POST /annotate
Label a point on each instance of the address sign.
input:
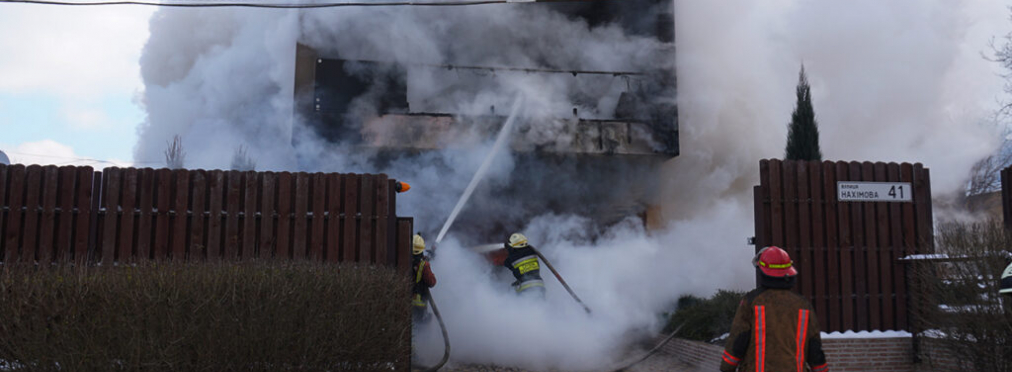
(874, 191)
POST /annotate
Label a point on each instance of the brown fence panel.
(249, 215)
(232, 199)
(1006, 196)
(47, 223)
(145, 212)
(85, 211)
(790, 209)
(29, 240)
(267, 215)
(897, 252)
(215, 203)
(64, 243)
(180, 207)
(405, 226)
(198, 221)
(284, 216)
(50, 214)
(163, 199)
(4, 210)
(804, 203)
(367, 204)
(15, 203)
(819, 265)
(351, 216)
(301, 209)
(832, 254)
(870, 256)
(111, 181)
(126, 226)
(318, 185)
(846, 252)
(884, 264)
(776, 204)
(382, 216)
(335, 221)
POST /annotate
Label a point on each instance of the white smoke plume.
(890, 83)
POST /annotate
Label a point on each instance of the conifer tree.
(803, 131)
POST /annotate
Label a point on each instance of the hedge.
(205, 317)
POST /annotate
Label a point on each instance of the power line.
(290, 5)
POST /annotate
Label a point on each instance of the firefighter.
(424, 279)
(519, 257)
(774, 328)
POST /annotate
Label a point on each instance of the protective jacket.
(524, 265)
(774, 330)
(424, 279)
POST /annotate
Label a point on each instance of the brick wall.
(843, 354)
(694, 353)
(869, 354)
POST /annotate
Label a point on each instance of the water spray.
(506, 129)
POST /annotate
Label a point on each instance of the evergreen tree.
(803, 131)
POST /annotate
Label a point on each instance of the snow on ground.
(866, 334)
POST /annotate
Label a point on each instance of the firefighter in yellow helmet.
(424, 279)
(519, 257)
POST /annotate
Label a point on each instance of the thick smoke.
(887, 85)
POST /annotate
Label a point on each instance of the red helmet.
(774, 262)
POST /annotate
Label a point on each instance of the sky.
(68, 81)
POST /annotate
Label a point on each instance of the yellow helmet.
(418, 245)
(517, 240)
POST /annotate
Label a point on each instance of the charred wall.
(612, 153)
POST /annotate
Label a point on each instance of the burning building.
(590, 140)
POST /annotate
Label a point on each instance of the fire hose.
(446, 340)
(557, 276)
(649, 353)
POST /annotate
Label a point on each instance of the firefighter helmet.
(1006, 281)
(517, 240)
(418, 244)
(775, 262)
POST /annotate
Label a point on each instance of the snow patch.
(866, 334)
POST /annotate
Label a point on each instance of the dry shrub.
(956, 301)
(205, 317)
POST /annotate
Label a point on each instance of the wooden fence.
(846, 252)
(1006, 197)
(74, 214)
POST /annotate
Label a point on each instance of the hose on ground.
(649, 353)
(446, 339)
(557, 276)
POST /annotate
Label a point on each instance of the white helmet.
(517, 240)
(418, 244)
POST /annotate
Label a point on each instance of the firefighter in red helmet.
(774, 328)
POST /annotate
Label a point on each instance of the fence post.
(1006, 196)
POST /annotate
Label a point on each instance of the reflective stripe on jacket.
(533, 283)
(424, 279)
(523, 263)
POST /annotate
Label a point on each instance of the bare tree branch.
(174, 154)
